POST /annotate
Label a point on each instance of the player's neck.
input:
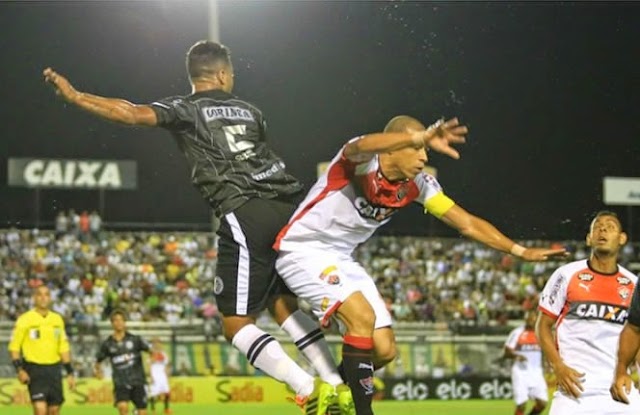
(119, 335)
(604, 263)
(204, 85)
(42, 311)
(389, 170)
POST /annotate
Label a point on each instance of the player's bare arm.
(569, 379)
(112, 109)
(23, 376)
(628, 346)
(71, 379)
(97, 370)
(438, 136)
(482, 231)
(509, 353)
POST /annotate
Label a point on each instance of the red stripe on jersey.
(338, 176)
(547, 312)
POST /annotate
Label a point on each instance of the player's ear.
(588, 239)
(623, 238)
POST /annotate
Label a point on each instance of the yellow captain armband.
(438, 205)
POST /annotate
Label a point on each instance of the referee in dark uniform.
(223, 139)
(124, 351)
(39, 349)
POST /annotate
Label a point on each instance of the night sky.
(550, 92)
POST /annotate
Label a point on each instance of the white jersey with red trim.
(350, 201)
(158, 365)
(523, 342)
(590, 309)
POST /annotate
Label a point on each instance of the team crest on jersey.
(585, 276)
(624, 292)
(328, 275)
(218, 285)
(623, 280)
(325, 304)
(128, 344)
(402, 192)
(332, 279)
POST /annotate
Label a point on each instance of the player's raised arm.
(112, 109)
(482, 231)
(438, 136)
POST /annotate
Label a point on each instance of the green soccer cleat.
(345, 400)
(324, 395)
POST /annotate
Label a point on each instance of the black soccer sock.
(537, 409)
(358, 370)
(167, 398)
(152, 403)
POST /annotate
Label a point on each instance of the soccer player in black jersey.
(223, 139)
(124, 351)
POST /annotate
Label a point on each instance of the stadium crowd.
(170, 276)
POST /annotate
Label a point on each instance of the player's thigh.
(365, 284)
(121, 396)
(246, 260)
(520, 388)
(318, 278)
(600, 404)
(139, 396)
(538, 388)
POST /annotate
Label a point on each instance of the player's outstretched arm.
(509, 353)
(628, 346)
(482, 231)
(569, 379)
(112, 109)
(438, 136)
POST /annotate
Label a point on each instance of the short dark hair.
(602, 213)
(206, 57)
(117, 312)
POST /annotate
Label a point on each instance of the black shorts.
(45, 383)
(134, 393)
(246, 276)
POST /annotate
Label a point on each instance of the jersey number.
(231, 132)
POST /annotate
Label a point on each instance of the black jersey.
(223, 139)
(126, 359)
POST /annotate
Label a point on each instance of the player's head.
(530, 317)
(41, 297)
(605, 235)
(118, 320)
(409, 161)
(210, 62)
(156, 343)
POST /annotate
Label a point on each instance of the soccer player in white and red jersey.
(369, 179)
(527, 376)
(587, 301)
(159, 372)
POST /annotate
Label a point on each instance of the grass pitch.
(476, 407)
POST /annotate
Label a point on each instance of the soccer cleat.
(345, 400)
(319, 401)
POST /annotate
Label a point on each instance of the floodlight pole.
(214, 24)
(214, 35)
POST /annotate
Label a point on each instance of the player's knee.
(357, 315)
(233, 324)
(385, 352)
(282, 306)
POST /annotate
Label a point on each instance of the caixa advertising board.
(72, 174)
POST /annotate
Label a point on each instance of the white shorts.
(159, 385)
(595, 404)
(325, 280)
(528, 385)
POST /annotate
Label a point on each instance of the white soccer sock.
(309, 339)
(265, 353)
